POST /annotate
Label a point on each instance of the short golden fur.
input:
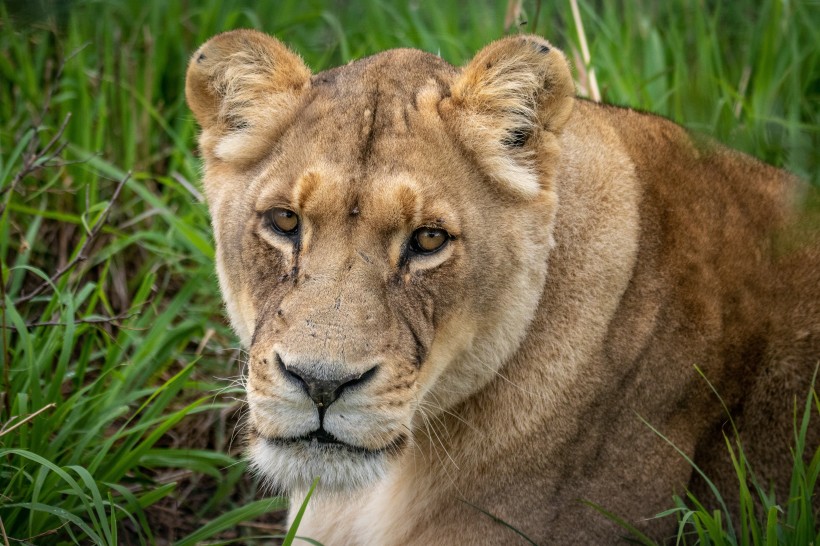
(593, 257)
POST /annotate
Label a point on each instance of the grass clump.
(764, 519)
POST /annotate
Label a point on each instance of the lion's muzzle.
(323, 417)
(323, 386)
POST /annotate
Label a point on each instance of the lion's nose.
(325, 390)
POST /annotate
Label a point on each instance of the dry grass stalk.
(594, 91)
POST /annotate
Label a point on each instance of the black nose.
(326, 390)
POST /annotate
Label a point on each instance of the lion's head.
(382, 235)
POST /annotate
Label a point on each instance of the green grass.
(116, 362)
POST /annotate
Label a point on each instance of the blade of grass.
(294, 527)
(230, 519)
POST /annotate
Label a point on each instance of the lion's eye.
(283, 221)
(428, 240)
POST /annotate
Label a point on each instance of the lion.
(469, 296)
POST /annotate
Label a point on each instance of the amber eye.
(428, 240)
(283, 221)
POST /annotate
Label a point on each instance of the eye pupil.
(428, 240)
(283, 220)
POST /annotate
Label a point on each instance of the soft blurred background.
(120, 392)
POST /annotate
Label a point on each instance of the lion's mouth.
(321, 439)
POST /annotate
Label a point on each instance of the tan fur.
(596, 256)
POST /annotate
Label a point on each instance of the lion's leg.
(767, 415)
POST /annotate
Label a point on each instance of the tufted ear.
(510, 104)
(243, 86)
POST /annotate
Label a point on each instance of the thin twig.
(188, 186)
(81, 255)
(269, 527)
(66, 163)
(6, 353)
(162, 479)
(29, 417)
(89, 320)
(5, 536)
(33, 158)
(57, 135)
(43, 534)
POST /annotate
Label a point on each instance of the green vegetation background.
(121, 383)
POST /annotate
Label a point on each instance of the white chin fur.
(293, 467)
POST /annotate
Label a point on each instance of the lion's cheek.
(452, 341)
(238, 303)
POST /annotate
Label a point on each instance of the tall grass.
(113, 407)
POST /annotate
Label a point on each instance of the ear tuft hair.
(513, 99)
(243, 86)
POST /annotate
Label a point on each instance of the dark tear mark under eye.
(297, 251)
(420, 349)
(404, 259)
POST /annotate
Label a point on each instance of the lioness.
(464, 290)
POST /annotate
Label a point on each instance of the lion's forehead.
(377, 111)
(396, 74)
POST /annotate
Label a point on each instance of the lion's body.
(596, 256)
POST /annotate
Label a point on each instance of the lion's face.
(379, 259)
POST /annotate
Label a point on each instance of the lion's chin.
(292, 465)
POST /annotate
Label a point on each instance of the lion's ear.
(243, 86)
(511, 102)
